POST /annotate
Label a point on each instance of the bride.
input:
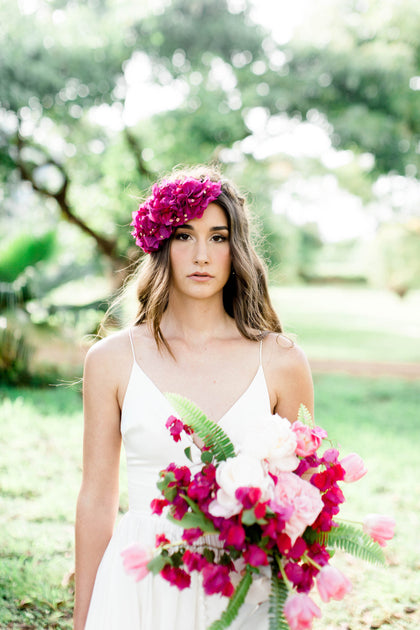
(206, 329)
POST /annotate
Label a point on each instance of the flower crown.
(171, 204)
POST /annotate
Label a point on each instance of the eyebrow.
(216, 228)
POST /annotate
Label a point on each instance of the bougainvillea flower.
(332, 584)
(176, 576)
(157, 505)
(379, 527)
(354, 467)
(255, 556)
(171, 203)
(175, 427)
(191, 535)
(300, 611)
(135, 559)
(194, 561)
(216, 580)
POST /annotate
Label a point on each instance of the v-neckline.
(162, 395)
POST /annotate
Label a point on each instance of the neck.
(196, 321)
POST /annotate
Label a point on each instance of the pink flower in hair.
(170, 204)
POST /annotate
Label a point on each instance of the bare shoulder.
(288, 375)
(109, 360)
(283, 353)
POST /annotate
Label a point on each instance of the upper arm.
(102, 437)
(291, 381)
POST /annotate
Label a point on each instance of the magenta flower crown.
(171, 203)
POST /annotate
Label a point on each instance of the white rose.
(242, 471)
(275, 443)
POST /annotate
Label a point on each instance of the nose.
(201, 255)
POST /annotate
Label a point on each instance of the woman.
(206, 330)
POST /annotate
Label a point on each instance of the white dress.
(118, 601)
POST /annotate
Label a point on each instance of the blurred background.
(313, 109)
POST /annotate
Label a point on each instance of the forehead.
(213, 215)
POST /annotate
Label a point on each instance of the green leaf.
(187, 452)
(163, 483)
(157, 563)
(278, 596)
(248, 517)
(214, 438)
(304, 415)
(354, 541)
(206, 457)
(190, 520)
(209, 554)
(234, 604)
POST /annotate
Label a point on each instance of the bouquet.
(263, 518)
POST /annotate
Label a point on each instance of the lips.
(198, 275)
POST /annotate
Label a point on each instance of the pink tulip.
(379, 527)
(300, 610)
(135, 559)
(354, 467)
(332, 584)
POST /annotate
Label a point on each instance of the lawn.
(40, 454)
(362, 324)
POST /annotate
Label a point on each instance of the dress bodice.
(148, 444)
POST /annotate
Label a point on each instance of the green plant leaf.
(214, 438)
(234, 604)
(278, 596)
(187, 452)
(191, 520)
(156, 564)
(305, 416)
(354, 541)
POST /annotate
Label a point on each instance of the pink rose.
(308, 438)
(332, 584)
(135, 559)
(299, 611)
(379, 527)
(354, 467)
(305, 500)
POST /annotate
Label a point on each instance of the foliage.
(210, 432)
(24, 251)
(278, 596)
(354, 541)
(14, 357)
(235, 602)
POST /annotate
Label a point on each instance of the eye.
(219, 238)
(182, 236)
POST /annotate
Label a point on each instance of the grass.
(40, 451)
(363, 324)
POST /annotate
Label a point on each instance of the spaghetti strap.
(132, 344)
(261, 344)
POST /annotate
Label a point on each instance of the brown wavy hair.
(245, 295)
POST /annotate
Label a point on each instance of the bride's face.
(200, 255)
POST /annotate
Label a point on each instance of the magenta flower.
(354, 467)
(379, 527)
(299, 611)
(157, 505)
(175, 427)
(308, 438)
(332, 584)
(194, 561)
(172, 203)
(176, 576)
(135, 559)
(191, 535)
(216, 580)
(255, 556)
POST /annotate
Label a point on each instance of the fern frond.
(278, 596)
(208, 431)
(305, 416)
(234, 604)
(354, 541)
